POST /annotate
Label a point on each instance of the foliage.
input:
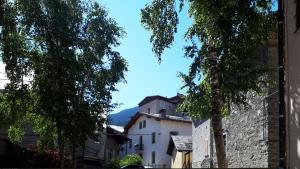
(62, 68)
(19, 157)
(131, 159)
(237, 29)
(113, 164)
(225, 37)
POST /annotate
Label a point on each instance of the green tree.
(225, 37)
(66, 47)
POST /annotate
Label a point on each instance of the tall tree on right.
(225, 37)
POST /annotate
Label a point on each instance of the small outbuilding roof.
(181, 143)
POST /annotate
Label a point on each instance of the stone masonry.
(251, 133)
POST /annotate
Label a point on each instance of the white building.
(202, 143)
(150, 131)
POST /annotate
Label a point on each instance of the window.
(148, 110)
(153, 137)
(110, 154)
(225, 140)
(153, 157)
(130, 143)
(206, 147)
(140, 125)
(144, 124)
(141, 140)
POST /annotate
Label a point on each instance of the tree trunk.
(74, 155)
(216, 108)
(60, 147)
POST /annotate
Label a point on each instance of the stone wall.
(252, 132)
(246, 135)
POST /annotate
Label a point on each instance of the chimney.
(162, 113)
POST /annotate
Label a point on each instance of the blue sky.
(146, 76)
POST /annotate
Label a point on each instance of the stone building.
(250, 134)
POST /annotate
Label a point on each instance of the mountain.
(121, 118)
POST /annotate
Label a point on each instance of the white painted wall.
(183, 129)
(156, 105)
(201, 141)
(162, 129)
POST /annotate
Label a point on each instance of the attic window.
(297, 14)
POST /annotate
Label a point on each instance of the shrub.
(113, 164)
(131, 159)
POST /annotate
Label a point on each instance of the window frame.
(153, 156)
(141, 140)
(153, 138)
(130, 144)
(225, 139)
(144, 124)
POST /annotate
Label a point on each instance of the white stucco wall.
(183, 129)
(162, 129)
(134, 133)
(4, 80)
(156, 105)
(201, 141)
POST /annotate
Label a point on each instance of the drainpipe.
(282, 133)
(211, 146)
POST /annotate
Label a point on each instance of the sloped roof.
(111, 131)
(155, 116)
(117, 128)
(151, 98)
(181, 143)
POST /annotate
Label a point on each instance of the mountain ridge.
(121, 118)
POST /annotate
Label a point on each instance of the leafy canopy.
(237, 29)
(66, 50)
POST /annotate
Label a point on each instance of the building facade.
(292, 78)
(149, 132)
